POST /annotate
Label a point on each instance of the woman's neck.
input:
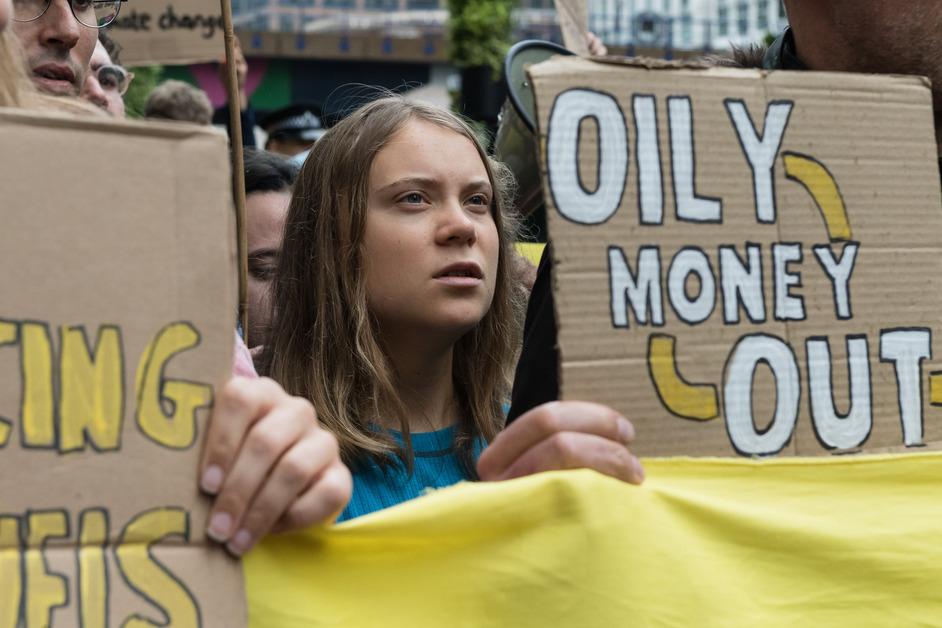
(425, 384)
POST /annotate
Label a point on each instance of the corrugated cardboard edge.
(612, 64)
(149, 128)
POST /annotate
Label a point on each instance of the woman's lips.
(461, 274)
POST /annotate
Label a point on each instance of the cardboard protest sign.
(117, 320)
(574, 23)
(169, 31)
(746, 262)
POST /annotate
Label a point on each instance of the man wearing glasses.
(106, 81)
(59, 37)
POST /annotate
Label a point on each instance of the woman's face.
(431, 247)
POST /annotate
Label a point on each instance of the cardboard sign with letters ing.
(169, 32)
(116, 325)
(746, 263)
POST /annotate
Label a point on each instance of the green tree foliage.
(479, 32)
(145, 80)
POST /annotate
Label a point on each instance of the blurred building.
(685, 24)
(315, 50)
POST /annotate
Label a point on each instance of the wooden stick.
(238, 169)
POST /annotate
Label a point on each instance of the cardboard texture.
(574, 23)
(667, 191)
(169, 32)
(117, 322)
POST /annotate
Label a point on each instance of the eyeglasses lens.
(113, 78)
(105, 11)
(28, 10)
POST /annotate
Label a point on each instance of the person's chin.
(55, 87)
(459, 321)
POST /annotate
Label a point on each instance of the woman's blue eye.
(479, 199)
(414, 197)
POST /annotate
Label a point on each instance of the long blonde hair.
(14, 84)
(324, 344)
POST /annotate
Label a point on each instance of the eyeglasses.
(90, 13)
(114, 78)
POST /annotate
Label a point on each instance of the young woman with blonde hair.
(395, 314)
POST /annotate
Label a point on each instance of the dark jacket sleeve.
(536, 379)
(221, 116)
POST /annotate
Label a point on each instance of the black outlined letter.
(761, 151)
(690, 206)
(906, 349)
(834, 430)
(640, 292)
(742, 283)
(737, 394)
(572, 200)
(839, 272)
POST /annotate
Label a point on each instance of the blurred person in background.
(268, 182)
(176, 100)
(246, 111)
(107, 81)
(870, 36)
(293, 130)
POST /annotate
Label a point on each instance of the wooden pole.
(238, 169)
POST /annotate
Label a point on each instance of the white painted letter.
(690, 207)
(742, 284)
(641, 293)
(839, 272)
(834, 430)
(761, 151)
(650, 182)
(562, 149)
(737, 394)
(787, 307)
(687, 261)
(907, 348)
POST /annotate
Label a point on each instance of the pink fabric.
(242, 363)
(207, 77)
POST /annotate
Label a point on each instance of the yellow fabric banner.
(843, 541)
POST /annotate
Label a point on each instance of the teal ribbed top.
(436, 466)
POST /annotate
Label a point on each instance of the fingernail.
(219, 526)
(240, 543)
(626, 431)
(212, 479)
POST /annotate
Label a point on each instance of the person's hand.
(242, 72)
(595, 45)
(563, 435)
(270, 465)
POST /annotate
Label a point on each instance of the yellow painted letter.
(8, 336)
(176, 428)
(91, 402)
(146, 575)
(44, 591)
(38, 413)
(11, 582)
(93, 577)
(689, 401)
